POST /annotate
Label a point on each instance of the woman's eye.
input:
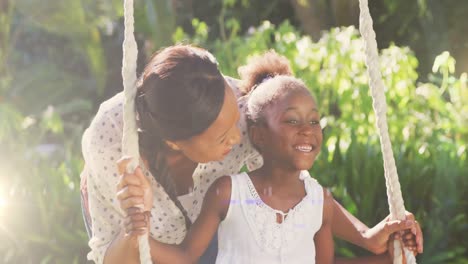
(292, 121)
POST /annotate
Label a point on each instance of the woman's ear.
(172, 145)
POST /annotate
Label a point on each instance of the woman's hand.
(136, 222)
(136, 198)
(408, 230)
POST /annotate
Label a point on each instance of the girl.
(277, 213)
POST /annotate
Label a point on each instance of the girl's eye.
(314, 122)
(292, 121)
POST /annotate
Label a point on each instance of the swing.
(130, 136)
(395, 199)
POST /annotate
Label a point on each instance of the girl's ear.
(256, 135)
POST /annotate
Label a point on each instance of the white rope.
(395, 199)
(130, 135)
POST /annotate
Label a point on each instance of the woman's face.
(218, 139)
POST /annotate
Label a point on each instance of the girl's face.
(218, 139)
(292, 135)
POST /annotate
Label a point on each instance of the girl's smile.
(306, 148)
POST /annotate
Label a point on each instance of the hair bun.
(261, 68)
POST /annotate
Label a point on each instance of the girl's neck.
(278, 176)
(278, 187)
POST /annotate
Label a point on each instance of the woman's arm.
(214, 209)
(133, 192)
(124, 249)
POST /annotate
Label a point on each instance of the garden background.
(60, 59)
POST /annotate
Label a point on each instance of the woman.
(192, 131)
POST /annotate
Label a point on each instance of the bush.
(40, 216)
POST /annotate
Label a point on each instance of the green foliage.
(39, 190)
(71, 60)
(40, 161)
(427, 125)
(156, 20)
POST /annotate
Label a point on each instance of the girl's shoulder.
(221, 187)
(218, 196)
(328, 203)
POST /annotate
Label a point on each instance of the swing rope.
(395, 199)
(130, 135)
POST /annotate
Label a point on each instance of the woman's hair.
(265, 78)
(180, 94)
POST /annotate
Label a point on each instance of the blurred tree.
(318, 15)
(428, 26)
(311, 15)
(6, 15)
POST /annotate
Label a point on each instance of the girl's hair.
(263, 67)
(265, 78)
(180, 94)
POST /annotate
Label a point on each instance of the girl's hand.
(377, 238)
(133, 191)
(413, 238)
(391, 250)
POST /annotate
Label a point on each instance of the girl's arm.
(378, 259)
(386, 258)
(349, 228)
(214, 209)
(323, 239)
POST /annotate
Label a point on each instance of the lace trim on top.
(271, 236)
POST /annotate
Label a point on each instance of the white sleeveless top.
(250, 232)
